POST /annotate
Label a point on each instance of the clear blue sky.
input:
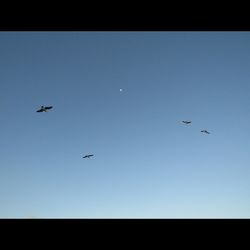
(146, 163)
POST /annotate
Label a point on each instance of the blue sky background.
(146, 163)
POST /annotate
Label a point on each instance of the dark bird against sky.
(87, 156)
(186, 122)
(205, 131)
(44, 109)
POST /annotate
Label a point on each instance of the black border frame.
(139, 22)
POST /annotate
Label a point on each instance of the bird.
(186, 122)
(205, 131)
(87, 156)
(44, 109)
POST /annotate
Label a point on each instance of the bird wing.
(205, 131)
(50, 107)
(40, 110)
(87, 156)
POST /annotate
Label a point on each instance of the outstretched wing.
(205, 131)
(50, 107)
(87, 156)
(39, 110)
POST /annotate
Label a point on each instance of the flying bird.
(205, 131)
(87, 156)
(44, 109)
(186, 122)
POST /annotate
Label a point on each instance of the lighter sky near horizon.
(121, 96)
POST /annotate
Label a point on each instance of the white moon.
(121, 90)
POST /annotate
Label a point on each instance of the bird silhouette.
(44, 109)
(205, 131)
(186, 122)
(87, 156)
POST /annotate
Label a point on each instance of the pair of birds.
(45, 109)
(203, 131)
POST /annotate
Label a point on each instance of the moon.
(121, 90)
